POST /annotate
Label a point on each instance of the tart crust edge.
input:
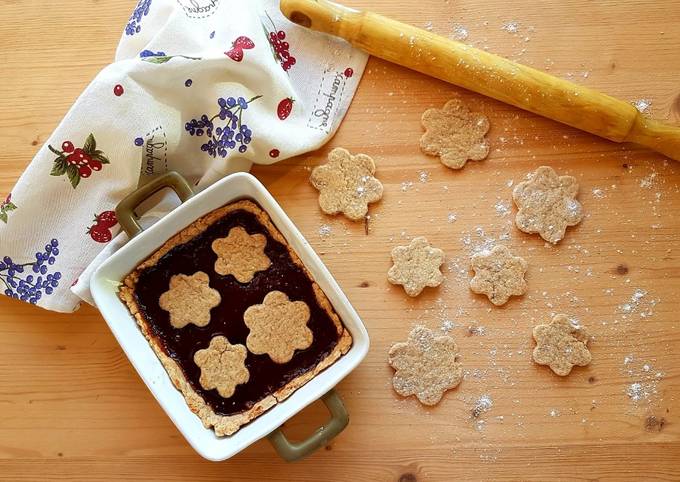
(229, 424)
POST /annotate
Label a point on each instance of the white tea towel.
(203, 87)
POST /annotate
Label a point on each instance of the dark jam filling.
(227, 318)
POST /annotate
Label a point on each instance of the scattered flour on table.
(598, 193)
(511, 26)
(460, 33)
(643, 106)
(502, 208)
(638, 303)
(645, 378)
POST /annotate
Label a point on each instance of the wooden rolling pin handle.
(487, 74)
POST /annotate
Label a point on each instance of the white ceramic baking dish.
(107, 279)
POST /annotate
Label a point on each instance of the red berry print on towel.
(349, 72)
(280, 48)
(274, 153)
(100, 231)
(5, 207)
(84, 171)
(240, 44)
(284, 108)
(78, 162)
(118, 90)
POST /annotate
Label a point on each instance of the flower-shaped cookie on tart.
(416, 266)
(278, 327)
(241, 254)
(547, 204)
(498, 275)
(189, 299)
(346, 184)
(561, 344)
(455, 134)
(426, 365)
(222, 366)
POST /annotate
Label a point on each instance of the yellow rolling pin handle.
(487, 74)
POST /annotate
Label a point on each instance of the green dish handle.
(291, 451)
(125, 211)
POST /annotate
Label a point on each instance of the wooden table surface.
(72, 407)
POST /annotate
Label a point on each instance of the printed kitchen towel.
(203, 87)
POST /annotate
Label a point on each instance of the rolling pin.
(486, 74)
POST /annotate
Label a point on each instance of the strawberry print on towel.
(238, 46)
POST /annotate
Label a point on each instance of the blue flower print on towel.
(135, 23)
(231, 133)
(150, 53)
(29, 281)
(161, 57)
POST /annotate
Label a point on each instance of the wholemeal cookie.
(241, 254)
(278, 327)
(498, 275)
(455, 134)
(561, 344)
(416, 266)
(189, 299)
(222, 366)
(346, 184)
(547, 204)
(426, 365)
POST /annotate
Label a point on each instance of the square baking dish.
(108, 278)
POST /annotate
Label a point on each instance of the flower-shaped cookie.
(346, 184)
(546, 204)
(416, 266)
(498, 275)
(561, 344)
(278, 327)
(455, 134)
(426, 366)
(189, 299)
(222, 366)
(241, 254)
